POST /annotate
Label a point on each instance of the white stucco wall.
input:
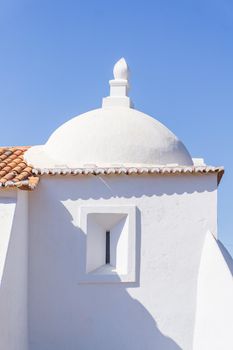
(7, 211)
(13, 267)
(214, 316)
(158, 310)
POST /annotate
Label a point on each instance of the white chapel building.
(108, 238)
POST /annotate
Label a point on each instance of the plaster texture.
(158, 310)
(214, 317)
(13, 270)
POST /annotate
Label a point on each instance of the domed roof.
(113, 135)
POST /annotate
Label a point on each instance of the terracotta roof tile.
(14, 172)
(138, 170)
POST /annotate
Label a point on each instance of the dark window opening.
(107, 255)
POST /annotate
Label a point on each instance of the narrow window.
(107, 255)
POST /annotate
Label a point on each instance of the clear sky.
(56, 58)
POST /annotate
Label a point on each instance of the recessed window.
(110, 243)
(107, 252)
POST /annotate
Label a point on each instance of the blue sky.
(56, 58)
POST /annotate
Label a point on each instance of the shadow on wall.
(64, 314)
(13, 285)
(97, 187)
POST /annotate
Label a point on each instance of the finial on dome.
(119, 86)
(121, 70)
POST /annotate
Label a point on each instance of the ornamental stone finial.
(121, 70)
(119, 86)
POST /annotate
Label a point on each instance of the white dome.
(113, 136)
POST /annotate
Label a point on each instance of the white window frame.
(107, 276)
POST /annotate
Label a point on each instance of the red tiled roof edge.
(14, 172)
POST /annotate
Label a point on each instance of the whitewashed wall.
(13, 270)
(214, 316)
(174, 214)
